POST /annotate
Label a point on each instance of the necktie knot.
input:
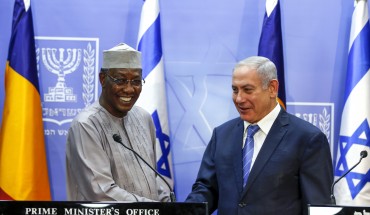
(252, 130)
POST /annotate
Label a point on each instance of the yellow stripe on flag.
(23, 163)
(281, 103)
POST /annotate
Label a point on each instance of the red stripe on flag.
(4, 196)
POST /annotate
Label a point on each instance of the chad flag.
(271, 44)
(23, 167)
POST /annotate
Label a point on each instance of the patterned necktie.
(248, 151)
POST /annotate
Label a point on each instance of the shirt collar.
(266, 122)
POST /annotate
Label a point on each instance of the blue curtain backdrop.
(201, 41)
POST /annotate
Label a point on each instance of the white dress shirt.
(265, 125)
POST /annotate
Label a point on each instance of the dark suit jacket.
(292, 169)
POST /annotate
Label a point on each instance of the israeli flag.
(354, 137)
(153, 95)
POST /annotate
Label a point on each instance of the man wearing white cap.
(98, 167)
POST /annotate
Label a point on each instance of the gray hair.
(265, 68)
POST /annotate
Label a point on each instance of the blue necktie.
(248, 151)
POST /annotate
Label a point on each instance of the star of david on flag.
(153, 95)
(354, 189)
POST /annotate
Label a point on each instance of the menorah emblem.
(61, 67)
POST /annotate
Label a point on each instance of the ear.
(102, 78)
(274, 88)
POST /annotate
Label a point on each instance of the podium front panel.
(101, 208)
(338, 210)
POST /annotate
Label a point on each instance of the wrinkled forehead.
(243, 71)
(124, 71)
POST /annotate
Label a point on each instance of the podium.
(101, 208)
(337, 210)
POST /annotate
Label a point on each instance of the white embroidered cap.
(121, 56)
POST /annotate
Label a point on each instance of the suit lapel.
(273, 139)
(237, 141)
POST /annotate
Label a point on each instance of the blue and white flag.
(153, 96)
(354, 137)
(271, 43)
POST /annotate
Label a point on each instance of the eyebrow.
(244, 86)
